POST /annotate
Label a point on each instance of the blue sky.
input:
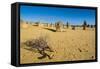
(53, 14)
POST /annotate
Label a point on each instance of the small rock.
(92, 57)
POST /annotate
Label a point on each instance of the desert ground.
(70, 45)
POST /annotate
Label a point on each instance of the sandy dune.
(68, 46)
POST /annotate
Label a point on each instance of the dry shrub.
(41, 45)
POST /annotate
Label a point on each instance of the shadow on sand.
(50, 29)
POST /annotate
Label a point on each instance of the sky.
(74, 16)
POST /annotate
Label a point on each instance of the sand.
(71, 45)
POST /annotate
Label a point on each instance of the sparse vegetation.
(60, 46)
(41, 45)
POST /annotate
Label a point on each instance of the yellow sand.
(68, 46)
